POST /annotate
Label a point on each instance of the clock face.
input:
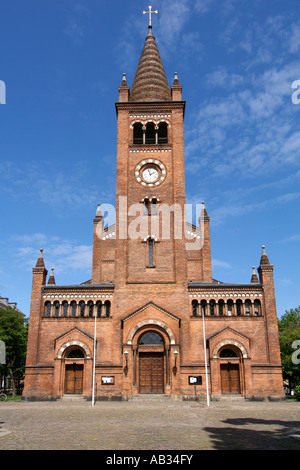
(150, 174)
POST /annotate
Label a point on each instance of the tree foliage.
(289, 336)
(13, 332)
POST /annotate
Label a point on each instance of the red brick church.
(152, 320)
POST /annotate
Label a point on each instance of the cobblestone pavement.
(149, 425)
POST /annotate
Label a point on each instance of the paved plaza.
(149, 425)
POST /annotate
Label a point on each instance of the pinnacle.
(51, 280)
(40, 262)
(254, 278)
(264, 258)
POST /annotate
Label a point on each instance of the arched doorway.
(230, 370)
(151, 353)
(74, 369)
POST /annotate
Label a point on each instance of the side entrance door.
(151, 372)
(230, 379)
(74, 379)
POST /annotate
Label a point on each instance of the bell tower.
(150, 206)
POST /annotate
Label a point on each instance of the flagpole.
(94, 360)
(205, 358)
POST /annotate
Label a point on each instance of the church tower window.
(150, 252)
(163, 133)
(150, 134)
(138, 133)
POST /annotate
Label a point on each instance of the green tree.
(13, 331)
(289, 336)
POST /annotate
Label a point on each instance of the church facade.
(152, 320)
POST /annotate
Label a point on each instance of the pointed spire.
(254, 278)
(176, 80)
(124, 81)
(98, 212)
(203, 215)
(264, 258)
(40, 262)
(51, 280)
(150, 82)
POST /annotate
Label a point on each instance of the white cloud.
(294, 44)
(62, 254)
(216, 263)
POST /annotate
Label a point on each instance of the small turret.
(254, 278)
(51, 280)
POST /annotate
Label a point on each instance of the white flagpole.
(94, 360)
(205, 358)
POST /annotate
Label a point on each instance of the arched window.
(153, 206)
(227, 352)
(65, 308)
(221, 307)
(138, 133)
(230, 307)
(163, 133)
(91, 308)
(150, 133)
(150, 252)
(239, 307)
(107, 308)
(151, 338)
(257, 307)
(194, 307)
(99, 308)
(56, 308)
(212, 305)
(75, 354)
(203, 307)
(47, 308)
(73, 308)
(247, 307)
(82, 308)
(146, 203)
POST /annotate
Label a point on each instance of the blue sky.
(62, 63)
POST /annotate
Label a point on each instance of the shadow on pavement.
(257, 435)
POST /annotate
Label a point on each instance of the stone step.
(149, 396)
(228, 398)
(70, 397)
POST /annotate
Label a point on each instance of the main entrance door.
(74, 379)
(151, 372)
(230, 379)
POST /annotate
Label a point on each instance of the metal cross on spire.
(150, 12)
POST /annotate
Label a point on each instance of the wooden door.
(151, 372)
(230, 378)
(74, 379)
